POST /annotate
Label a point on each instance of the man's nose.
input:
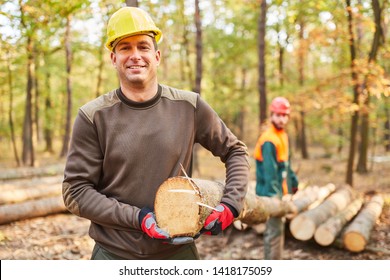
(135, 54)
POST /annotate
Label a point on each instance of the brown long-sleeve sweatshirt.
(121, 151)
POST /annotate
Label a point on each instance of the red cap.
(280, 105)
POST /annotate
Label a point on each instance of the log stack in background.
(19, 203)
(303, 226)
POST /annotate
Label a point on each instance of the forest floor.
(65, 236)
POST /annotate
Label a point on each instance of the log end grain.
(177, 211)
(323, 236)
(302, 228)
(354, 242)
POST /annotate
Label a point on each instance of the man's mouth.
(135, 67)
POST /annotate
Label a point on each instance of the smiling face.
(136, 60)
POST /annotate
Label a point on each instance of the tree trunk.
(357, 234)
(365, 123)
(185, 54)
(29, 193)
(198, 75)
(48, 124)
(340, 134)
(100, 68)
(303, 226)
(305, 154)
(355, 115)
(240, 119)
(199, 49)
(327, 232)
(301, 70)
(281, 63)
(31, 209)
(36, 95)
(298, 139)
(68, 52)
(10, 111)
(28, 147)
(387, 129)
(261, 55)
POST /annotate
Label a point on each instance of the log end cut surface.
(302, 228)
(354, 242)
(323, 236)
(176, 208)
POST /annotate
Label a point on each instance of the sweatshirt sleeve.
(81, 179)
(213, 134)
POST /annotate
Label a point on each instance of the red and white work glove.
(219, 219)
(148, 223)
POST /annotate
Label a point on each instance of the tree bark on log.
(311, 196)
(31, 193)
(327, 232)
(28, 172)
(303, 226)
(275, 207)
(31, 209)
(357, 234)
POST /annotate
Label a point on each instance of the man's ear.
(113, 59)
(158, 57)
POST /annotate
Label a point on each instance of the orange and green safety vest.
(274, 176)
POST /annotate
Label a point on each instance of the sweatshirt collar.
(140, 105)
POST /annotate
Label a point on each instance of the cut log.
(31, 209)
(310, 197)
(257, 209)
(31, 193)
(28, 172)
(357, 234)
(304, 225)
(327, 232)
(180, 204)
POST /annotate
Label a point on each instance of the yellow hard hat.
(129, 21)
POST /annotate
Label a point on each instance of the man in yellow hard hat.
(126, 143)
(274, 176)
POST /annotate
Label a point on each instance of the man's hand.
(148, 224)
(218, 220)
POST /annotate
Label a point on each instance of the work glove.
(218, 220)
(294, 190)
(148, 223)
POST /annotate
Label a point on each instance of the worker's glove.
(294, 190)
(218, 220)
(148, 224)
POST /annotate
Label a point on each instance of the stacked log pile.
(25, 202)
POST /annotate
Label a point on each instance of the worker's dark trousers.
(274, 239)
(188, 252)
